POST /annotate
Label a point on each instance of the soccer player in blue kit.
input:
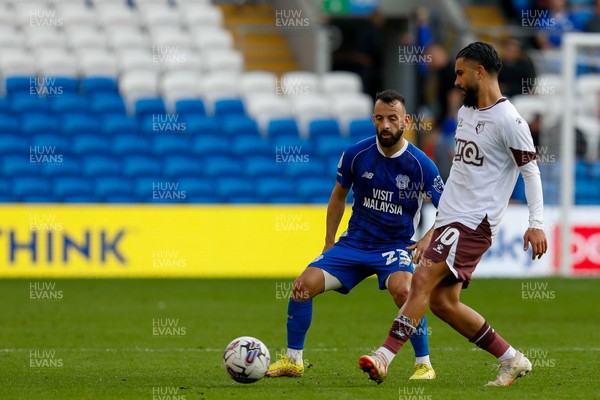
(390, 179)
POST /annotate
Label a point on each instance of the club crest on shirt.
(460, 121)
(402, 181)
(438, 184)
(479, 127)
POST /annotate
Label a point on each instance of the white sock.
(508, 354)
(423, 360)
(295, 355)
(388, 354)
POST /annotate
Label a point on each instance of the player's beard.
(392, 140)
(471, 97)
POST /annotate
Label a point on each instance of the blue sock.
(419, 340)
(298, 322)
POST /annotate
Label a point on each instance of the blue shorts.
(352, 265)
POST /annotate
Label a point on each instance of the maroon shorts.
(461, 247)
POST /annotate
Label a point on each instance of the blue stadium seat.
(12, 144)
(86, 144)
(26, 103)
(68, 167)
(69, 103)
(581, 169)
(518, 193)
(5, 188)
(270, 187)
(34, 123)
(30, 186)
(360, 129)
(15, 166)
(148, 107)
(80, 199)
(251, 145)
(100, 166)
(170, 144)
(237, 126)
(45, 198)
(20, 85)
(198, 189)
(107, 103)
(213, 145)
(323, 128)
(234, 189)
(79, 124)
(107, 187)
(595, 170)
(229, 107)
(194, 107)
(99, 84)
(331, 146)
(121, 199)
(292, 149)
(164, 124)
(315, 190)
(205, 126)
(314, 168)
(128, 144)
(4, 106)
(119, 125)
(180, 166)
(282, 127)
(143, 187)
(69, 187)
(261, 167)
(55, 143)
(141, 166)
(9, 125)
(221, 166)
(59, 86)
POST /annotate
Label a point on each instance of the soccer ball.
(246, 359)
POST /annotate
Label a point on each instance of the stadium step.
(256, 36)
(482, 18)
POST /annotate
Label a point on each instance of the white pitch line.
(214, 350)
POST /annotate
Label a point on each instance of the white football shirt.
(490, 145)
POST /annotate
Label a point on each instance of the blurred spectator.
(440, 81)
(517, 75)
(593, 25)
(444, 149)
(361, 50)
(547, 140)
(554, 24)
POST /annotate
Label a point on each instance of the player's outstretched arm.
(533, 193)
(420, 246)
(335, 212)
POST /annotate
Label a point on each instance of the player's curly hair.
(483, 53)
(390, 96)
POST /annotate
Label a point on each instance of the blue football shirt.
(388, 192)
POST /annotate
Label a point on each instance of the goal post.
(571, 43)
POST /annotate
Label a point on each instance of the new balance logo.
(368, 175)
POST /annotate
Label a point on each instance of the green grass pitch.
(164, 339)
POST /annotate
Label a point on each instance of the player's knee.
(440, 307)
(420, 283)
(400, 294)
(304, 289)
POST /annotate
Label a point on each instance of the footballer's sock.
(295, 355)
(298, 322)
(419, 340)
(399, 333)
(490, 341)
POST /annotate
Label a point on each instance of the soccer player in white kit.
(493, 144)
